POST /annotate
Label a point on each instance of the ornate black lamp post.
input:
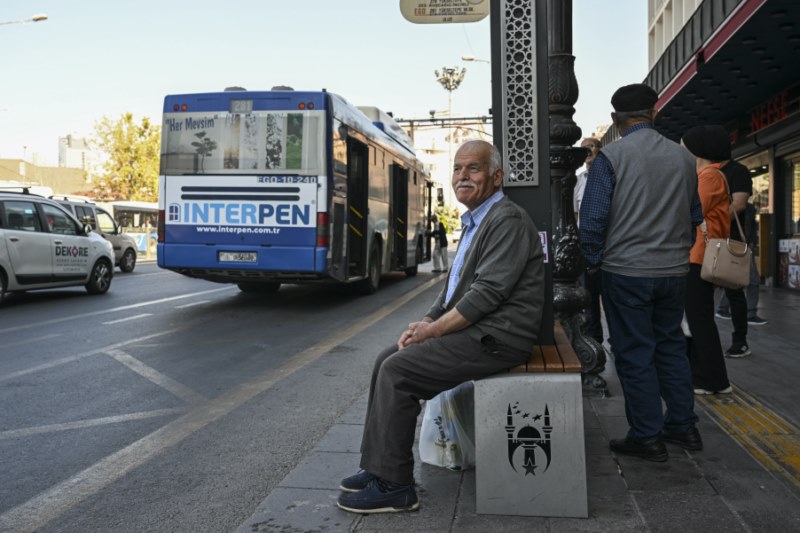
(569, 298)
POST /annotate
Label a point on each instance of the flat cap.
(634, 97)
(708, 142)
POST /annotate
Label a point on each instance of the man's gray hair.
(495, 160)
(642, 115)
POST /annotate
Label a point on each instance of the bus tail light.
(323, 230)
(160, 225)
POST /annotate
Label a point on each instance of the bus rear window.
(263, 142)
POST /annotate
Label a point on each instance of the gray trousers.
(400, 379)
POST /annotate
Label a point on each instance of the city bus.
(260, 188)
(138, 219)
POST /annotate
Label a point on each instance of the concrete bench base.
(529, 446)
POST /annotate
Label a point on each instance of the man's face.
(594, 149)
(471, 181)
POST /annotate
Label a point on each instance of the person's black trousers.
(738, 303)
(593, 326)
(705, 350)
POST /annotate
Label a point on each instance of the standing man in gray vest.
(638, 218)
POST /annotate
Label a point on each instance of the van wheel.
(369, 285)
(263, 288)
(128, 261)
(100, 279)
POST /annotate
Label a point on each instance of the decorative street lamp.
(35, 18)
(450, 78)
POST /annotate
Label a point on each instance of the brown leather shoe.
(690, 440)
(649, 449)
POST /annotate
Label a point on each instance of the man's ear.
(614, 119)
(498, 177)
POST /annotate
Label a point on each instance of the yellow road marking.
(766, 436)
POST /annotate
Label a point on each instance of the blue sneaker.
(356, 482)
(380, 496)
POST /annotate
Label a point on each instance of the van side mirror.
(87, 229)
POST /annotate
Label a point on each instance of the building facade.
(74, 152)
(735, 63)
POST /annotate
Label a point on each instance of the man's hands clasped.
(416, 333)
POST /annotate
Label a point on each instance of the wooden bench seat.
(558, 357)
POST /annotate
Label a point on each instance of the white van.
(42, 246)
(102, 222)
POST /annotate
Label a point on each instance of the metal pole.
(569, 297)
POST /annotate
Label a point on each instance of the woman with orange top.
(710, 146)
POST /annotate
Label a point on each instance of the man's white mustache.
(465, 184)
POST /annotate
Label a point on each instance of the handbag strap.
(730, 201)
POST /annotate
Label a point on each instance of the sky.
(94, 58)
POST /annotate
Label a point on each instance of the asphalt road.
(172, 404)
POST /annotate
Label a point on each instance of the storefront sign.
(770, 112)
(444, 11)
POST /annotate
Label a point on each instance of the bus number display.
(241, 106)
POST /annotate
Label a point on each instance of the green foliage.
(130, 170)
(449, 217)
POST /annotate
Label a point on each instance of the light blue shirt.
(470, 221)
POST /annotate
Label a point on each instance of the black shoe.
(649, 449)
(738, 350)
(688, 441)
(380, 496)
(757, 321)
(356, 482)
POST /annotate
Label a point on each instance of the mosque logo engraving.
(532, 439)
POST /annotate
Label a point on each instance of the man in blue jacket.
(485, 319)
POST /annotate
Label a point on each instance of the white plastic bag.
(447, 436)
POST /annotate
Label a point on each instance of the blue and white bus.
(270, 187)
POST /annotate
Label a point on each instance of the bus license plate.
(238, 257)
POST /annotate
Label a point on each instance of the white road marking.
(134, 317)
(178, 389)
(184, 306)
(70, 359)
(112, 310)
(32, 339)
(49, 504)
(80, 424)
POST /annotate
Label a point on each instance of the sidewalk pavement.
(746, 479)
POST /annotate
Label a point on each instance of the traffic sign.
(444, 11)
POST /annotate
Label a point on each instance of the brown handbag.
(726, 262)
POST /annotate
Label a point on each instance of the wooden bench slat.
(552, 358)
(569, 358)
(536, 363)
(552, 361)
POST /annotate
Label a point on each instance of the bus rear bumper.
(277, 261)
